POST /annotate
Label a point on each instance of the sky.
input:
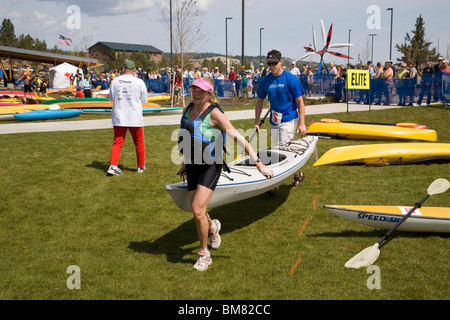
(288, 24)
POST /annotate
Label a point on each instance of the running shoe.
(114, 171)
(214, 236)
(141, 169)
(203, 261)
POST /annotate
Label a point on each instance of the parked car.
(24, 68)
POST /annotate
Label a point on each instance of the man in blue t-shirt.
(287, 109)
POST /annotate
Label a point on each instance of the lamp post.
(372, 35)
(171, 38)
(171, 54)
(242, 57)
(348, 59)
(226, 44)
(260, 41)
(392, 18)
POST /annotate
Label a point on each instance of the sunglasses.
(198, 90)
(271, 64)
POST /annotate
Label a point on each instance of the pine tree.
(25, 42)
(7, 34)
(416, 48)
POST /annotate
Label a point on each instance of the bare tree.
(366, 52)
(186, 33)
(85, 43)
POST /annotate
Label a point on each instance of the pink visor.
(203, 84)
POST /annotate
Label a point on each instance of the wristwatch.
(258, 160)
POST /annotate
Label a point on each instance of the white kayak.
(245, 181)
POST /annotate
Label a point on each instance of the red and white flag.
(64, 40)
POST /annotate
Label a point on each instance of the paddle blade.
(438, 186)
(365, 258)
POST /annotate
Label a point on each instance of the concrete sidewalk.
(167, 119)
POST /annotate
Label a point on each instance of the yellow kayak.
(424, 219)
(382, 154)
(22, 108)
(93, 104)
(368, 131)
(158, 98)
(150, 98)
(28, 99)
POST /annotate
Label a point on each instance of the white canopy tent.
(59, 76)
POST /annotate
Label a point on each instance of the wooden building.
(102, 49)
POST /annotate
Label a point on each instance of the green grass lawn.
(58, 208)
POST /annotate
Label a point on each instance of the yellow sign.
(358, 79)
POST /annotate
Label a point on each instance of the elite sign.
(358, 79)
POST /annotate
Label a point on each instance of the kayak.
(245, 181)
(371, 131)
(144, 110)
(151, 97)
(7, 117)
(64, 100)
(100, 93)
(11, 93)
(58, 90)
(28, 100)
(8, 110)
(82, 104)
(47, 114)
(424, 219)
(383, 154)
(158, 97)
(10, 104)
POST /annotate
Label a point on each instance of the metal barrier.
(383, 91)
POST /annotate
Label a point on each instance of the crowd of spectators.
(405, 83)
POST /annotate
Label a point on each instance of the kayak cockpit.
(268, 157)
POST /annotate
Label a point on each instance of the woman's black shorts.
(206, 175)
(27, 88)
